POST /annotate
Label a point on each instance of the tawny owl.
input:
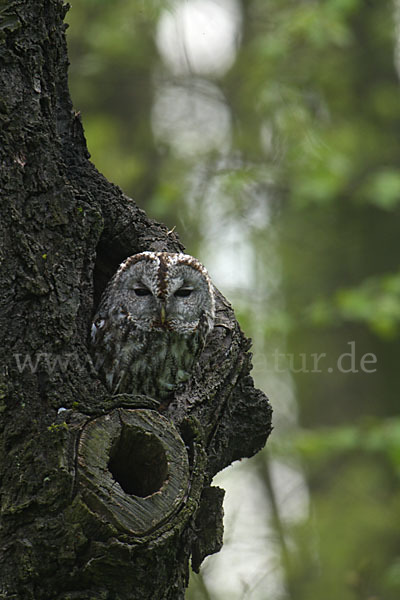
(152, 323)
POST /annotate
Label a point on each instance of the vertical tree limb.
(96, 492)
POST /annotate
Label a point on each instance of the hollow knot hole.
(138, 462)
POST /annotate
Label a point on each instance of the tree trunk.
(101, 497)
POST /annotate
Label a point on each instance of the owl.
(152, 323)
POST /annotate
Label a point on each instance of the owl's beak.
(162, 314)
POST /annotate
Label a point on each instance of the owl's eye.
(183, 292)
(142, 291)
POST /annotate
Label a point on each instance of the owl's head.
(165, 291)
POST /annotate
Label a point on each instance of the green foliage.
(296, 194)
(373, 437)
(376, 302)
(350, 562)
(353, 471)
(383, 189)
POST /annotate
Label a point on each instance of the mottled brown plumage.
(152, 323)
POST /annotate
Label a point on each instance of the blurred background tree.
(268, 133)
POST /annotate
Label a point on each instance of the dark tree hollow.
(138, 462)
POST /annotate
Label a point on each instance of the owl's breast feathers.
(136, 361)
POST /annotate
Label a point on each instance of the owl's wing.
(115, 345)
(206, 324)
(105, 343)
(97, 334)
(106, 338)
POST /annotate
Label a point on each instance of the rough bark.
(100, 497)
